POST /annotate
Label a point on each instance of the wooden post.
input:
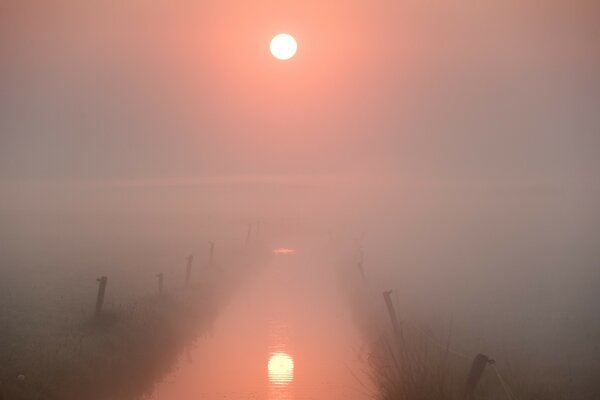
(211, 257)
(101, 290)
(479, 363)
(359, 265)
(249, 234)
(188, 271)
(362, 271)
(160, 282)
(392, 312)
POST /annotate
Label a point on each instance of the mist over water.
(450, 150)
(286, 335)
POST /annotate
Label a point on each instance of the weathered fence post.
(101, 291)
(479, 363)
(160, 282)
(211, 256)
(392, 312)
(360, 267)
(188, 271)
(249, 234)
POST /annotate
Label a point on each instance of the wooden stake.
(211, 257)
(359, 265)
(479, 363)
(392, 312)
(101, 290)
(249, 234)
(188, 270)
(160, 282)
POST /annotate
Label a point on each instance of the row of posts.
(103, 281)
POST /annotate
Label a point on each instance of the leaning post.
(479, 363)
(392, 313)
(101, 291)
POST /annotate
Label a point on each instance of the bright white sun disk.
(283, 46)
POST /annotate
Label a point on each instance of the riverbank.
(412, 355)
(53, 349)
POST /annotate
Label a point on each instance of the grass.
(53, 348)
(408, 366)
(116, 355)
(415, 366)
(419, 365)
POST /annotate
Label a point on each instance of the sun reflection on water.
(284, 251)
(280, 368)
(280, 364)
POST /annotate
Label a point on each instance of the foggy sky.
(389, 108)
(138, 90)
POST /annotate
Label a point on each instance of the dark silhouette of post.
(188, 270)
(392, 312)
(211, 254)
(479, 363)
(160, 282)
(101, 290)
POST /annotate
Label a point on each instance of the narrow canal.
(286, 335)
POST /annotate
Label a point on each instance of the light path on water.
(286, 335)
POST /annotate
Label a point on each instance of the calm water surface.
(285, 336)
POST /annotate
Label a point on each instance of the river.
(285, 335)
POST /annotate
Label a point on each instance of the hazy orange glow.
(284, 251)
(446, 150)
(283, 46)
(280, 368)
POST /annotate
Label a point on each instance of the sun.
(283, 46)
(280, 368)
